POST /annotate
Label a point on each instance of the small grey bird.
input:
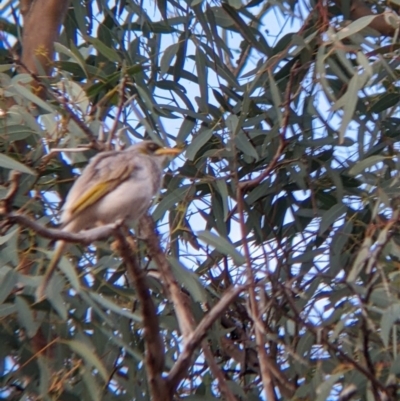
(115, 185)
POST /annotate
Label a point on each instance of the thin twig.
(78, 121)
(83, 237)
(260, 341)
(54, 151)
(121, 92)
(59, 97)
(217, 373)
(250, 184)
(12, 191)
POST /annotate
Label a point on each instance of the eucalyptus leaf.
(222, 245)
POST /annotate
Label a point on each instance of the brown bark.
(42, 22)
(360, 9)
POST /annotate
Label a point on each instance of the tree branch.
(360, 9)
(83, 237)
(184, 316)
(155, 353)
(180, 367)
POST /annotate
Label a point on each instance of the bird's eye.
(152, 147)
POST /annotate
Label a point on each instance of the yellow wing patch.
(115, 176)
(91, 196)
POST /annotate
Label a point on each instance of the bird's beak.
(168, 151)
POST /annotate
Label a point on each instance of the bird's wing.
(102, 175)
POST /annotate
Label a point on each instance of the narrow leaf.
(391, 315)
(12, 164)
(169, 54)
(27, 94)
(331, 216)
(364, 164)
(89, 357)
(199, 140)
(222, 245)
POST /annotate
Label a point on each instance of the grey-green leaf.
(12, 164)
(222, 245)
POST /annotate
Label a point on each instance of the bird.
(114, 186)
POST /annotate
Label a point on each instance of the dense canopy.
(269, 268)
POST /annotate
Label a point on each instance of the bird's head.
(151, 148)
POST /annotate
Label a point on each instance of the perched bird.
(115, 185)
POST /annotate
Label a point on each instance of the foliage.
(288, 184)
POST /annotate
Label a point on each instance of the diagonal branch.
(180, 367)
(184, 315)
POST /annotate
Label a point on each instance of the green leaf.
(12, 164)
(54, 295)
(324, 389)
(28, 95)
(232, 122)
(162, 6)
(222, 245)
(189, 280)
(199, 141)
(235, 3)
(6, 67)
(389, 317)
(385, 101)
(73, 55)
(244, 28)
(68, 269)
(276, 97)
(354, 27)
(223, 190)
(88, 356)
(17, 132)
(306, 256)
(366, 163)
(170, 200)
(330, 216)
(201, 68)
(8, 280)
(169, 54)
(106, 51)
(7, 237)
(243, 143)
(25, 316)
(94, 391)
(7, 309)
(111, 306)
(186, 128)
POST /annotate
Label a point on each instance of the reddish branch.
(184, 316)
(183, 362)
(155, 353)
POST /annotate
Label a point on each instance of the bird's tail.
(58, 251)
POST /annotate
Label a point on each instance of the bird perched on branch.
(115, 185)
